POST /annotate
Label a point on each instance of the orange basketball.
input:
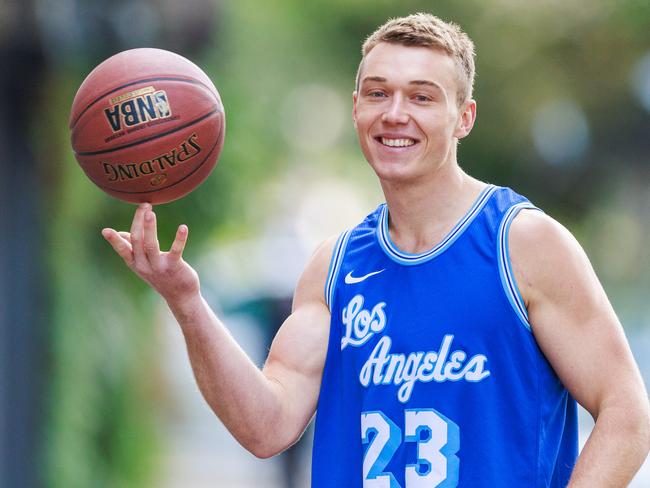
(147, 125)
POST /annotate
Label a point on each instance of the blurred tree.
(102, 386)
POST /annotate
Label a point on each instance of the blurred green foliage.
(104, 380)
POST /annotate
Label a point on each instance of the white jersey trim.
(505, 269)
(335, 265)
(410, 259)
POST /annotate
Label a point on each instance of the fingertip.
(106, 232)
(182, 229)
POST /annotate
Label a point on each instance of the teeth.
(397, 142)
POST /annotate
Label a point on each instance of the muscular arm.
(265, 410)
(579, 333)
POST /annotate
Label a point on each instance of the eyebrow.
(381, 79)
(425, 82)
(374, 78)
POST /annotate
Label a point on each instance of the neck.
(421, 213)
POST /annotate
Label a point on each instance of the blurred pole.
(22, 278)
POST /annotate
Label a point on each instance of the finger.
(176, 251)
(137, 233)
(120, 245)
(125, 235)
(151, 246)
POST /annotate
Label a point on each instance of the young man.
(444, 338)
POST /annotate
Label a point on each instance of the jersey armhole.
(335, 266)
(505, 269)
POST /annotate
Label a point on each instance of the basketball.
(147, 125)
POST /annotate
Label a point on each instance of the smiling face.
(406, 113)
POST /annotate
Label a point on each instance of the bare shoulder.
(547, 259)
(570, 315)
(311, 285)
(534, 228)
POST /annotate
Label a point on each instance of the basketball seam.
(143, 80)
(106, 188)
(150, 138)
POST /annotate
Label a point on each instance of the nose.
(395, 113)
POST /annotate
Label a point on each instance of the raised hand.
(166, 272)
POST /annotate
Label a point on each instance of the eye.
(423, 98)
(376, 94)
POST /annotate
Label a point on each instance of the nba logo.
(137, 107)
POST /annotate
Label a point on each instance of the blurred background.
(95, 386)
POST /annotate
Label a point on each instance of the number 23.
(436, 466)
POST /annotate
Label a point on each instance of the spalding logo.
(137, 107)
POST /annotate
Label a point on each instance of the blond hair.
(427, 30)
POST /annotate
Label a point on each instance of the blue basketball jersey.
(433, 377)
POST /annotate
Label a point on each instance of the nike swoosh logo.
(351, 280)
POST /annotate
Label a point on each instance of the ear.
(354, 108)
(466, 119)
